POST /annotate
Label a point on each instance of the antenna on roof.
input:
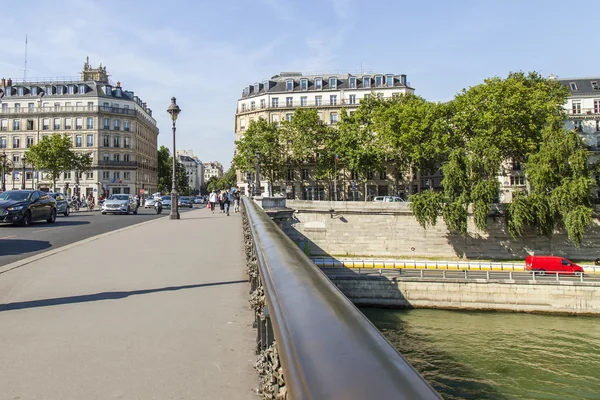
(25, 70)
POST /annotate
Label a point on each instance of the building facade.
(194, 170)
(110, 123)
(212, 168)
(277, 98)
(583, 110)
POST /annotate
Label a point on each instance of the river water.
(483, 355)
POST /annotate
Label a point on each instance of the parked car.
(378, 199)
(393, 199)
(120, 203)
(166, 201)
(185, 201)
(62, 204)
(198, 200)
(554, 264)
(25, 206)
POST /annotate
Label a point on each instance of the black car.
(25, 206)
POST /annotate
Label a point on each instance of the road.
(17, 242)
(442, 274)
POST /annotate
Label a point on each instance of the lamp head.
(174, 109)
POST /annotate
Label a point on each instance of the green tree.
(560, 181)
(499, 120)
(263, 137)
(416, 134)
(181, 179)
(212, 183)
(53, 154)
(358, 147)
(165, 168)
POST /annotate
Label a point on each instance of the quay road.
(17, 242)
(454, 275)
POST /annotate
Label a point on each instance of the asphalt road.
(439, 274)
(17, 242)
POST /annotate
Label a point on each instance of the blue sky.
(205, 52)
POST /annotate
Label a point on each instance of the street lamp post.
(37, 173)
(257, 177)
(174, 110)
(23, 176)
(3, 156)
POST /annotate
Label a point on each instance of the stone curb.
(49, 253)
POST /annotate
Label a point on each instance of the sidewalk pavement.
(156, 311)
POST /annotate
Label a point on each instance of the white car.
(149, 203)
(119, 204)
(166, 201)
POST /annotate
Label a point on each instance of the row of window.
(318, 101)
(595, 86)
(576, 107)
(578, 125)
(66, 124)
(89, 142)
(67, 106)
(329, 83)
(116, 157)
(68, 175)
(50, 90)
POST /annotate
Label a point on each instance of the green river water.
(477, 355)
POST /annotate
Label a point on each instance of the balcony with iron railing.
(116, 163)
(326, 103)
(583, 112)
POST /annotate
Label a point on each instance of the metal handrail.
(328, 348)
(426, 264)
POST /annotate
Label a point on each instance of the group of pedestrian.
(224, 198)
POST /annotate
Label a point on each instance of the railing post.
(557, 277)
(487, 275)
(510, 275)
(444, 274)
(466, 274)
(421, 274)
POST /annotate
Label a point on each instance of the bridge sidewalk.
(157, 311)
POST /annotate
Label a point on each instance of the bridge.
(206, 307)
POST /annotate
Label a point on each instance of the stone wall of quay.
(389, 229)
(515, 296)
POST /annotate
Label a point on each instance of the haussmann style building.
(277, 98)
(103, 119)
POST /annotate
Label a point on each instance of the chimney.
(118, 84)
(3, 82)
(9, 83)
(403, 79)
(144, 104)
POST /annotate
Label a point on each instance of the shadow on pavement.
(11, 247)
(63, 222)
(103, 296)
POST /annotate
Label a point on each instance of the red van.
(552, 264)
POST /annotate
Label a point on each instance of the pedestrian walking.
(212, 199)
(226, 201)
(236, 200)
(221, 203)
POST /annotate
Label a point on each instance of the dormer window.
(266, 86)
(378, 81)
(352, 82)
(34, 91)
(71, 89)
(81, 89)
(59, 90)
(573, 86)
(289, 85)
(333, 83)
(48, 90)
(366, 82)
(318, 83)
(389, 80)
(303, 84)
(108, 90)
(256, 88)
(20, 91)
(595, 85)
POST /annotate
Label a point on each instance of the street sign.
(142, 191)
(95, 190)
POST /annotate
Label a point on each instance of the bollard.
(466, 274)
(421, 274)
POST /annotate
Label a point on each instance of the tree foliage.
(165, 168)
(54, 155)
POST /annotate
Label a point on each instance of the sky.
(205, 52)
